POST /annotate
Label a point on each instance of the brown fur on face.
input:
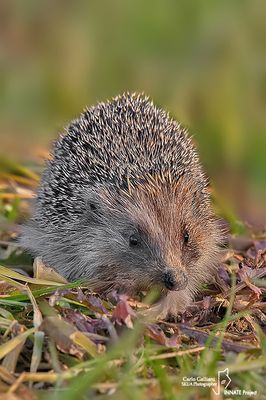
(165, 212)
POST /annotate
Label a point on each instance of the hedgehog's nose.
(172, 282)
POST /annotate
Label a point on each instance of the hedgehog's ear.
(93, 211)
(92, 202)
(91, 206)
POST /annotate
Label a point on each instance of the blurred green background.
(204, 61)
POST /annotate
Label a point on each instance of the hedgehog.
(124, 202)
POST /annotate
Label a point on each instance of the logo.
(219, 385)
(223, 379)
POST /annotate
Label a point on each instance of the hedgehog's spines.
(121, 143)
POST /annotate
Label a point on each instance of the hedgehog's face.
(162, 241)
(182, 236)
(119, 254)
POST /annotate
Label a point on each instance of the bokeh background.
(204, 61)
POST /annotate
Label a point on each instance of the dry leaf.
(41, 271)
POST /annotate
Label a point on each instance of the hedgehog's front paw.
(172, 304)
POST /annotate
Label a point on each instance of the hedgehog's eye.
(134, 241)
(93, 207)
(186, 237)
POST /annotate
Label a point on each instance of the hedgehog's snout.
(173, 282)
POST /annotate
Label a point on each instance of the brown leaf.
(259, 247)
(123, 313)
(201, 337)
(60, 331)
(244, 276)
(41, 271)
(93, 302)
(156, 333)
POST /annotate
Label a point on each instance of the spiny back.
(125, 139)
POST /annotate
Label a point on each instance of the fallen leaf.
(123, 313)
(41, 271)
